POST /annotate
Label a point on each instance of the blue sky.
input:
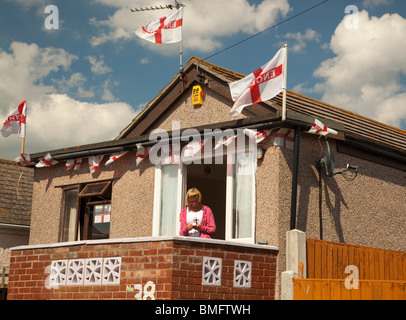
(86, 80)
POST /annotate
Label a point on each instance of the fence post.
(295, 255)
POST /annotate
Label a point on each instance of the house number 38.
(147, 294)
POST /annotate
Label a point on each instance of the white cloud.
(98, 66)
(375, 3)
(364, 76)
(204, 21)
(54, 120)
(300, 39)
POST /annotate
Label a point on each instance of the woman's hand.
(198, 227)
(189, 226)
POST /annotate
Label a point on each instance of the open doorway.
(210, 179)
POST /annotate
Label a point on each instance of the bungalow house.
(347, 186)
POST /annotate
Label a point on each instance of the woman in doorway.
(196, 220)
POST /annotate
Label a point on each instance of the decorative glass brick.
(76, 271)
(211, 271)
(93, 271)
(242, 274)
(58, 273)
(111, 270)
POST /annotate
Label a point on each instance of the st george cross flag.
(73, 163)
(115, 156)
(94, 162)
(15, 123)
(24, 160)
(257, 136)
(46, 161)
(261, 85)
(142, 153)
(285, 138)
(165, 30)
(319, 128)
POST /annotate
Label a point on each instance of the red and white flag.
(225, 142)
(94, 162)
(115, 156)
(73, 163)
(165, 30)
(193, 148)
(15, 123)
(142, 153)
(319, 128)
(285, 138)
(24, 160)
(46, 161)
(261, 85)
(257, 136)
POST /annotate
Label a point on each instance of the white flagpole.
(25, 133)
(284, 83)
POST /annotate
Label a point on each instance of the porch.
(143, 268)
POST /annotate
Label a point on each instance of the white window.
(169, 191)
(240, 195)
(232, 196)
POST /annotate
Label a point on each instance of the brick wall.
(143, 268)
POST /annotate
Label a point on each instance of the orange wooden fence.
(381, 274)
(328, 260)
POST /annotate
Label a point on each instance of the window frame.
(84, 207)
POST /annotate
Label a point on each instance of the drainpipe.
(293, 201)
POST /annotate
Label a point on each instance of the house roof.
(356, 126)
(352, 128)
(16, 185)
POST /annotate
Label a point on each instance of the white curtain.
(169, 188)
(71, 198)
(244, 192)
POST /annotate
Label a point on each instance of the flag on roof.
(24, 160)
(164, 30)
(261, 85)
(15, 123)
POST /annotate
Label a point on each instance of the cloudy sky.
(85, 75)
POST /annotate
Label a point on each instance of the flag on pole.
(319, 128)
(15, 123)
(46, 161)
(261, 85)
(164, 30)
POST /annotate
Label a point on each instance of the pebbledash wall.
(143, 268)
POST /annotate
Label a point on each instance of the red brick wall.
(165, 269)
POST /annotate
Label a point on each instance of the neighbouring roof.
(16, 185)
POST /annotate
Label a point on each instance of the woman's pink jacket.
(208, 224)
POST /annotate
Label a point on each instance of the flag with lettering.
(164, 30)
(261, 85)
(15, 123)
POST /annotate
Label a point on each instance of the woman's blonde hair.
(191, 193)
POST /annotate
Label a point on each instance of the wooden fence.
(338, 271)
(328, 260)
